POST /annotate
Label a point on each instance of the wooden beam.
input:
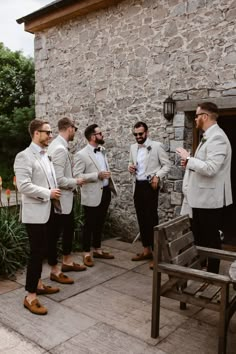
(228, 102)
(59, 15)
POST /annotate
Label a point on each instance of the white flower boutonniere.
(103, 150)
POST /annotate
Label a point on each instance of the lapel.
(148, 152)
(38, 158)
(92, 157)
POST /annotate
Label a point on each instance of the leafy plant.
(14, 245)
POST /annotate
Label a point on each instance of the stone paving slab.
(13, 343)
(8, 285)
(192, 338)
(104, 339)
(135, 247)
(123, 312)
(133, 284)
(60, 324)
(93, 276)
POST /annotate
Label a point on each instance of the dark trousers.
(64, 227)
(94, 218)
(206, 225)
(38, 239)
(146, 203)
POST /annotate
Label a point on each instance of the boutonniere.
(149, 148)
(204, 139)
(49, 158)
(102, 149)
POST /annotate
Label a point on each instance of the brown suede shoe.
(75, 267)
(88, 261)
(47, 290)
(104, 255)
(35, 307)
(61, 278)
(142, 257)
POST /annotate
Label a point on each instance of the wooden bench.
(176, 255)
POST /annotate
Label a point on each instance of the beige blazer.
(157, 162)
(58, 151)
(87, 167)
(208, 182)
(34, 186)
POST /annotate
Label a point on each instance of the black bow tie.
(97, 149)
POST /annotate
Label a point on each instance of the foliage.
(14, 245)
(16, 107)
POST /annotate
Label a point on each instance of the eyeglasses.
(48, 132)
(100, 133)
(72, 126)
(138, 134)
(200, 114)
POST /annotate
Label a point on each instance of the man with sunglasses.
(59, 153)
(207, 180)
(91, 164)
(36, 181)
(148, 164)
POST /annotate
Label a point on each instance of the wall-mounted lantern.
(169, 108)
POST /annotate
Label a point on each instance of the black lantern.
(169, 108)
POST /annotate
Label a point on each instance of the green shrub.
(14, 244)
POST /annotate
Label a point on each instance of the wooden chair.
(176, 255)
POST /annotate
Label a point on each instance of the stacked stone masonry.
(116, 66)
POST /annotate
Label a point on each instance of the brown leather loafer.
(61, 278)
(142, 257)
(47, 290)
(104, 255)
(88, 261)
(35, 307)
(75, 267)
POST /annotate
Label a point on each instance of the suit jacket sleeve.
(164, 161)
(79, 170)
(216, 150)
(60, 159)
(23, 167)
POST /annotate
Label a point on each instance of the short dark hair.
(65, 123)
(35, 125)
(90, 130)
(141, 124)
(211, 108)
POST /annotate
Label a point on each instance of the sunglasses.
(98, 133)
(200, 114)
(72, 126)
(48, 132)
(138, 134)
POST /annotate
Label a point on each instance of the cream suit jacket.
(34, 186)
(207, 183)
(86, 166)
(58, 151)
(157, 162)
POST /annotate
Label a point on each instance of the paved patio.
(107, 310)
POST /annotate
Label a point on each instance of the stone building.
(114, 62)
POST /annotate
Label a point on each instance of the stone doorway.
(227, 121)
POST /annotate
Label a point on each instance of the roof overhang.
(61, 10)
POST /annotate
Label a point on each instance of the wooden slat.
(193, 287)
(181, 243)
(210, 292)
(186, 257)
(175, 230)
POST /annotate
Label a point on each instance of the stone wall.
(118, 65)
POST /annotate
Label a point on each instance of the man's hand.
(104, 175)
(80, 181)
(55, 193)
(155, 182)
(132, 169)
(183, 155)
